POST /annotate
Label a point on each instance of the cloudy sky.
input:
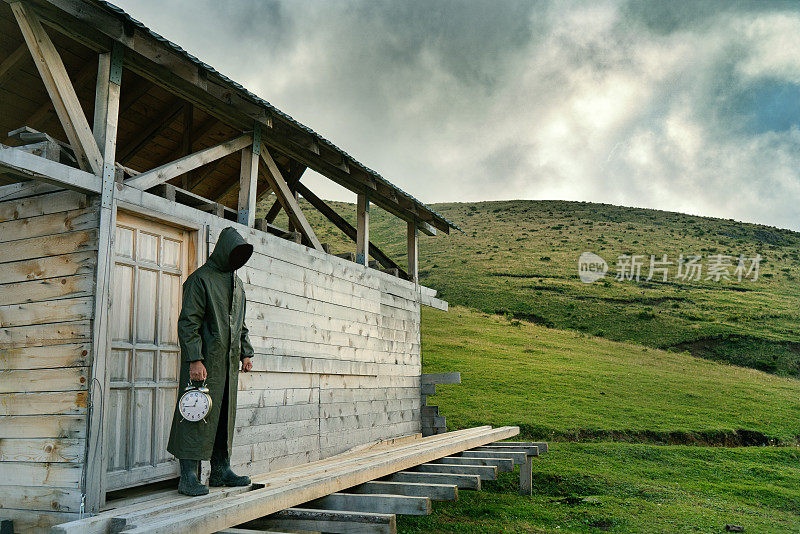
(683, 106)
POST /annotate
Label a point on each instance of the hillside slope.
(521, 258)
(568, 386)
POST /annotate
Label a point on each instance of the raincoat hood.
(231, 251)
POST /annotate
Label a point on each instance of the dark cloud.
(680, 105)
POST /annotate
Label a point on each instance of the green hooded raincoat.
(211, 328)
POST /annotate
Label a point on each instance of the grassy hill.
(631, 425)
(520, 258)
(585, 394)
(567, 386)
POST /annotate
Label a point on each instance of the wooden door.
(151, 261)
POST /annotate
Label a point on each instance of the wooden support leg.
(362, 229)
(413, 251)
(526, 476)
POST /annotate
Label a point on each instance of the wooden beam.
(469, 482)
(530, 451)
(133, 92)
(186, 137)
(541, 446)
(331, 521)
(168, 116)
(440, 378)
(295, 173)
(517, 457)
(94, 27)
(412, 246)
(37, 118)
(167, 172)
(287, 199)
(436, 492)
(486, 472)
(503, 465)
(346, 227)
(8, 64)
(362, 229)
(21, 164)
(59, 87)
(382, 504)
(109, 78)
(248, 180)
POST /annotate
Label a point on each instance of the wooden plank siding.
(337, 360)
(48, 244)
(337, 363)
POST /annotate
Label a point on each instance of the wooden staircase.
(361, 490)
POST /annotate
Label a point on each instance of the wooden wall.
(337, 346)
(337, 356)
(48, 254)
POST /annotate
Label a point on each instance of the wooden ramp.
(357, 491)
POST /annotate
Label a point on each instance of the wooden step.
(300, 484)
(436, 492)
(327, 521)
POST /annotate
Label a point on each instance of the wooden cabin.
(122, 158)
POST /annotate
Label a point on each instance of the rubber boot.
(190, 483)
(221, 472)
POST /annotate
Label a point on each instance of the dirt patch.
(771, 356)
(704, 438)
(528, 317)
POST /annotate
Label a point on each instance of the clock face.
(194, 405)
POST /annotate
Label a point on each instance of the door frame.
(197, 232)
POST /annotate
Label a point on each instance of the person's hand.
(197, 371)
(247, 364)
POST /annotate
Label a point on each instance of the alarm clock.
(195, 403)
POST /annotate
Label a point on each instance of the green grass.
(562, 385)
(520, 257)
(633, 488)
(557, 384)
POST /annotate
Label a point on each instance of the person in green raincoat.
(213, 340)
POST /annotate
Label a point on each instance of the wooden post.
(526, 476)
(59, 87)
(186, 139)
(109, 77)
(248, 180)
(297, 199)
(413, 252)
(362, 229)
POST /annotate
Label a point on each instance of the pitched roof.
(126, 18)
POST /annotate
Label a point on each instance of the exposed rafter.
(181, 75)
(168, 116)
(59, 87)
(8, 65)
